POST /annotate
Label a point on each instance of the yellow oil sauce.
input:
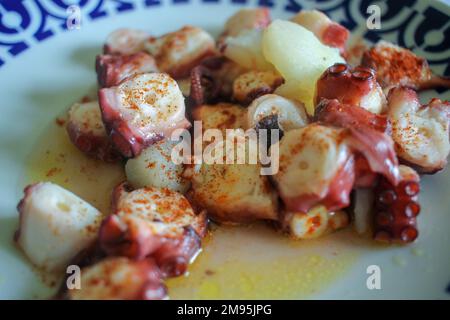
(236, 262)
(57, 160)
(255, 262)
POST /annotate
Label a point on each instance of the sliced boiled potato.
(299, 57)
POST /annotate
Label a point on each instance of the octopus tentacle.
(178, 52)
(366, 137)
(153, 222)
(354, 86)
(55, 225)
(316, 168)
(120, 278)
(420, 132)
(345, 115)
(327, 31)
(397, 208)
(173, 257)
(125, 41)
(397, 66)
(378, 149)
(142, 110)
(205, 87)
(112, 69)
(88, 133)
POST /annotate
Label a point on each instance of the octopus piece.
(155, 222)
(220, 116)
(273, 131)
(205, 86)
(364, 176)
(396, 208)
(327, 31)
(125, 41)
(333, 112)
(374, 149)
(112, 69)
(314, 223)
(87, 132)
(246, 50)
(142, 110)
(118, 278)
(316, 168)
(354, 86)
(227, 73)
(178, 52)
(254, 84)
(397, 66)
(55, 225)
(233, 192)
(290, 113)
(420, 133)
(154, 167)
(246, 19)
(378, 150)
(213, 79)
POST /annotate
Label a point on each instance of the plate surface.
(44, 68)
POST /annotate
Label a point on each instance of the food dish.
(349, 138)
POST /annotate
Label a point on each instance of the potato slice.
(299, 57)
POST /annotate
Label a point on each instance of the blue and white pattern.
(417, 25)
(426, 29)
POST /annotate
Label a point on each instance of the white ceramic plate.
(45, 68)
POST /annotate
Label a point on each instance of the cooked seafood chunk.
(316, 168)
(314, 223)
(154, 168)
(178, 52)
(87, 132)
(142, 110)
(112, 69)
(335, 113)
(397, 208)
(290, 113)
(125, 41)
(378, 150)
(246, 50)
(397, 66)
(221, 116)
(154, 222)
(213, 80)
(55, 225)
(366, 137)
(354, 86)
(329, 32)
(254, 84)
(233, 192)
(420, 133)
(247, 19)
(120, 279)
